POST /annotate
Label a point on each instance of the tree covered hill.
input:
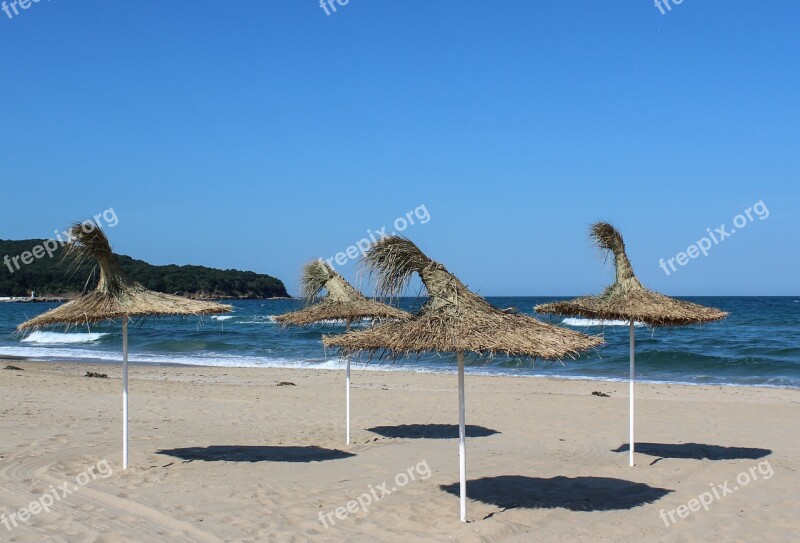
(52, 276)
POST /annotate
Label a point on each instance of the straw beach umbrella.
(453, 320)
(115, 297)
(628, 300)
(343, 302)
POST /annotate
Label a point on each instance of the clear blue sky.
(258, 134)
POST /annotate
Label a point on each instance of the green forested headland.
(55, 277)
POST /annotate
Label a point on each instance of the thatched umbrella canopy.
(342, 302)
(453, 319)
(115, 297)
(628, 300)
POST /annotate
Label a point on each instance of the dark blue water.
(758, 344)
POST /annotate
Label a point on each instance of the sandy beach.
(380, 272)
(224, 454)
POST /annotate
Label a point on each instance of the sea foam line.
(58, 338)
(597, 322)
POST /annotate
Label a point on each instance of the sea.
(757, 345)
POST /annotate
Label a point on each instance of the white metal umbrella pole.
(347, 393)
(348, 400)
(125, 392)
(462, 452)
(632, 376)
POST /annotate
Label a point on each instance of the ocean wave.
(222, 317)
(341, 322)
(597, 322)
(259, 319)
(335, 363)
(270, 319)
(195, 359)
(58, 338)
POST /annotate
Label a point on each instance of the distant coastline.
(29, 300)
(62, 299)
(55, 279)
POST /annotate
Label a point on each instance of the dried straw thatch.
(116, 296)
(627, 299)
(343, 302)
(453, 319)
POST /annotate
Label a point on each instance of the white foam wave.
(343, 321)
(597, 322)
(266, 319)
(222, 317)
(58, 338)
(86, 355)
(197, 359)
(270, 319)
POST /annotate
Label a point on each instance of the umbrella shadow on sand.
(697, 451)
(573, 493)
(430, 431)
(247, 453)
